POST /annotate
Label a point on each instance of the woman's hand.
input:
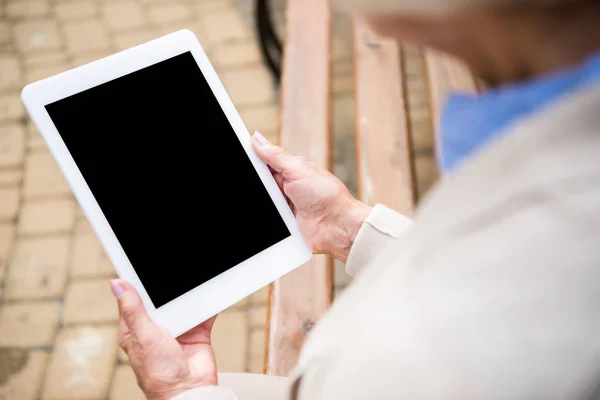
(164, 366)
(327, 214)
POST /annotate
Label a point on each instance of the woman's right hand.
(328, 216)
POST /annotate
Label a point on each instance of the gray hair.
(432, 6)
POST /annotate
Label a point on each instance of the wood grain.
(385, 173)
(299, 299)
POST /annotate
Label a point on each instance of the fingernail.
(116, 288)
(260, 138)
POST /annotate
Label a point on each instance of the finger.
(135, 319)
(290, 166)
(279, 180)
(199, 334)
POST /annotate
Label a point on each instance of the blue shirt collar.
(469, 121)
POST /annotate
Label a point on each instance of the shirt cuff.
(207, 393)
(381, 227)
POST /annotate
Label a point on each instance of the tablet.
(162, 165)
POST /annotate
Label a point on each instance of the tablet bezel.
(215, 295)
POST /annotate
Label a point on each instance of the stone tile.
(90, 301)
(82, 364)
(258, 316)
(240, 304)
(12, 145)
(88, 259)
(342, 83)
(161, 14)
(45, 59)
(9, 203)
(166, 29)
(422, 134)
(22, 373)
(127, 40)
(11, 177)
(47, 216)
(248, 86)
(38, 268)
(11, 107)
(426, 172)
(83, 226)
(29, 8)
(343, 115)
(35, 141)
(208, 6)
(81, 59)
(37, 35)
(43, 177)
(7, 238)
(229, 341)
(35, 74)
(5, 34)
(257, 352)
(235, 54)
(86, 36)
(125, 386)
(263, 118)
(225, 25)
(10, 72)
(29, 324)
(340, 276)
(260, 297)
(68, 10)
(123, 15)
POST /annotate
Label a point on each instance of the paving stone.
(35, 74)
(166, 29)
(29, 324)
(29, 8)
(47, 216)
(88, 259)
(127, 40)
(248, 86)
(258, 316)
(123, 15)
(69, 10)
(225, 25)
(11, 107)
(35, 141)
(341, 277)
(43, 177)
(83, 226)
(235, 54)
(9, 203)
(343, 115)
(81, 59)
(82, 364)
(90, 301)
(202, 36)
(426, 172)
(5, 34)
(167, 13)
(22, 373)
(38, 268)
(263, 118)
(207, 6)
(261, 296)
(343, 83)
(37, 35)
(7, 238)
(12, 145)
(86, 36)
(10, 73)
(125, 386)
(257, 352)
(45, 59)
(11, 177)
(229, 341)
(422, 134)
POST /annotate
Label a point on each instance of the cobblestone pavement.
(58, 321)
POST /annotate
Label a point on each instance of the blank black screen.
(169, 174)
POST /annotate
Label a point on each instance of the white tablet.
(162, 166)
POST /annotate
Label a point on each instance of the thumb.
(280, 160)
(131, 307)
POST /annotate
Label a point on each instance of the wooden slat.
(383, 141)
(446, 75)
(299, 299)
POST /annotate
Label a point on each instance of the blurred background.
(58, 321)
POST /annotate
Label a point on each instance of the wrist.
(348, 222)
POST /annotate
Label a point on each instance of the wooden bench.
(385, 157)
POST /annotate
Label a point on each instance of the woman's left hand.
(164, 366)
